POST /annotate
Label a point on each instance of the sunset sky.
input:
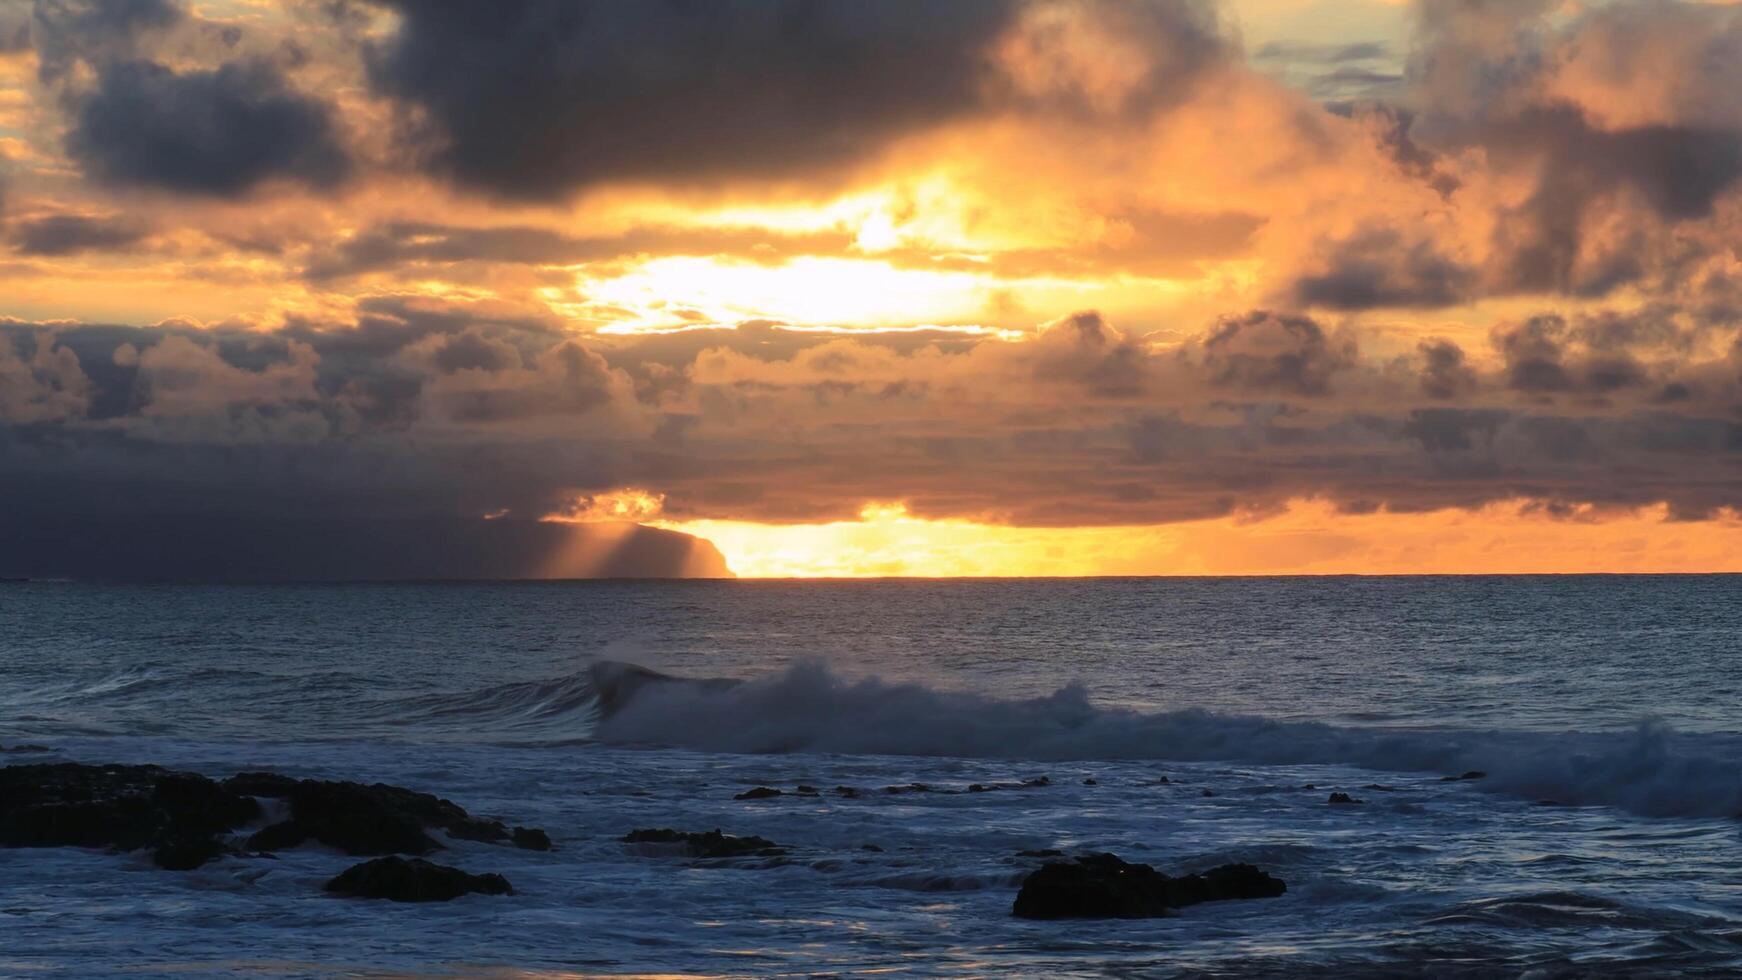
(912, 287)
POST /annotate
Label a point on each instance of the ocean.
(1603, 838)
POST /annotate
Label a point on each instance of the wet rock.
(1090, 781)
(1472, 774)
(759, 793)
(909, 788)
(712, 844)
(1343, 799)
(1047, 852)
(122, 808)
(806, 791)
(530, 839)
(1378, 788)
(269, 785)
(365, 819)
(1037, 782)
(873, 848)
(281, 836)
(184, 817)
(186, 854)
(1309, 786)
(1101, 886)
(414, 880)
(1207, 793)
(847, 792)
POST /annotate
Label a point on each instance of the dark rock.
(1037, 782)
(1343, 799)
(1376, 787)
(847, 791)
(265, 784)
(1225, 883)
(1309, 786)
(712, 844)
(531, 839)
(280, 836)
(1042, 853)
(978, 788)
(759, 793)
(871, 847)
(1207, 792)
(368, 820)
(119, 807)
(414, 880)
(472, 828)
(909, 788)
(181, 816)
(1090, 781)
(806, 791)
(187, 853)
(1472, 774)
(1101, 886)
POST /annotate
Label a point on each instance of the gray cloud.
(1274, 352)
(557, 95)
(220, 132)
(66, 234)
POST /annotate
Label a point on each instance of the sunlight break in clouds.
(1092, 286)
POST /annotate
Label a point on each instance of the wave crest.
(1650, 770)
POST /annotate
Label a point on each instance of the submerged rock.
(712, 844)
(1343, 799)
(1101, 886)
(1472, 774)
(414, 880)
(759, 793)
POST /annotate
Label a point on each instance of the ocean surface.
(1604, 839)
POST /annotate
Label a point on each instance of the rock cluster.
(185, 820)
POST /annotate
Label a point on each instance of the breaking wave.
(1650, 770)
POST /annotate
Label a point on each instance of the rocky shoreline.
(186, 820)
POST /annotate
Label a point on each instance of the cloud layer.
(1047, 263)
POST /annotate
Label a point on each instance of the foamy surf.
(1649, 770)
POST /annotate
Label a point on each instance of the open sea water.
(1603, 841)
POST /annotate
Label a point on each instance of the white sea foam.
(1649, 770)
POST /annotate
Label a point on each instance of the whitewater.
(1183, 723)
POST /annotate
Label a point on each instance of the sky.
(533, 288)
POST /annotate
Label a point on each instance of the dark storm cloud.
(219, 132)
(535, 98)
(1276, 352)
(66, 234)
(532, 98)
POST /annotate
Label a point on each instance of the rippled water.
(1614, 697)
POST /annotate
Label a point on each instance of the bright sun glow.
(1310, 537)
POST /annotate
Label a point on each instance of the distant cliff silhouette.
(232, 548)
